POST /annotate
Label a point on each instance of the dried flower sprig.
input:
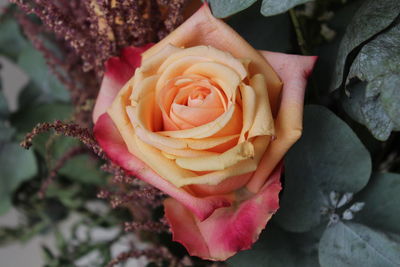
(156, 254)
(70, 130)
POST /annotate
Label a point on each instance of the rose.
(196, 120)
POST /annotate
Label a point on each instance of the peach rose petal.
(227, 230)
(208, 53)
(114, 146)
(219, 162)
(118, 71)
(294, 71)
(203, 28)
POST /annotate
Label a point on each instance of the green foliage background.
(341, 200)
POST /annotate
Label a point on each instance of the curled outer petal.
(228, 230)
(114, 146)
(118, 71)
(294, 71)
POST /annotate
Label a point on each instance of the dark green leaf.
(4, 112)
(52, 146)
(277, 248)
(376, 70)
(69, 197)
(83, 169)
(32, 95)
(272, 33)
(11, 40)
(328, 157)
(368, 111)
(273, 249)
(225, 8)
(16, 166)
(273, 7)
(372, 18)
(382, 202)
(25, 119)
(6, 132)
(351, 244)
(34, 65)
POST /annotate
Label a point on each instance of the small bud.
(346, 198)
(356, 207)
(347, 215)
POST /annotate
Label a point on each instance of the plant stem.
(299, 34)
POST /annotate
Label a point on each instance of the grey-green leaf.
(351, 244)
(274, 7)
(83, 169)
(34, 65)
(328, 157)
(372, 18)
(16, 166)
(272, 249)
(382, 202)
(376, 70)
(278, 248)
(225, 8)
(26, 118)
(11, 40)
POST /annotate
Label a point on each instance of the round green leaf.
(16, 166)
(34, 65)
(376, 70)
(382, 202)
(27, 118)
(11, 40)
(351, 244)
(372, 18)
(83, 169)
(328, 157)
(272, 249)
(272, 33)
(273, 7)
(4, 111)
(278, 248)
(225, 8)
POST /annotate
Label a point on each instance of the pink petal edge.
(228, 230)
(118, 70)
(293, 71)
(113, 145)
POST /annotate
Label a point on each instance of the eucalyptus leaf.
(11, 40)
(272, 249)
(6, 132)
(16, 166)
(274, 7)
(376, 70)
(372, 18)
(271, 33)
(26, 118)
(32, 95)
(83, 169)
(382, 202)
(352, 244)
(328, 157)
(34, 65)
(4, 111)
(225, 8)
(278, 248)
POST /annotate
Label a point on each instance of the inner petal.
(196, 104)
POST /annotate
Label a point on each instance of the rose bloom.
(206, 118)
